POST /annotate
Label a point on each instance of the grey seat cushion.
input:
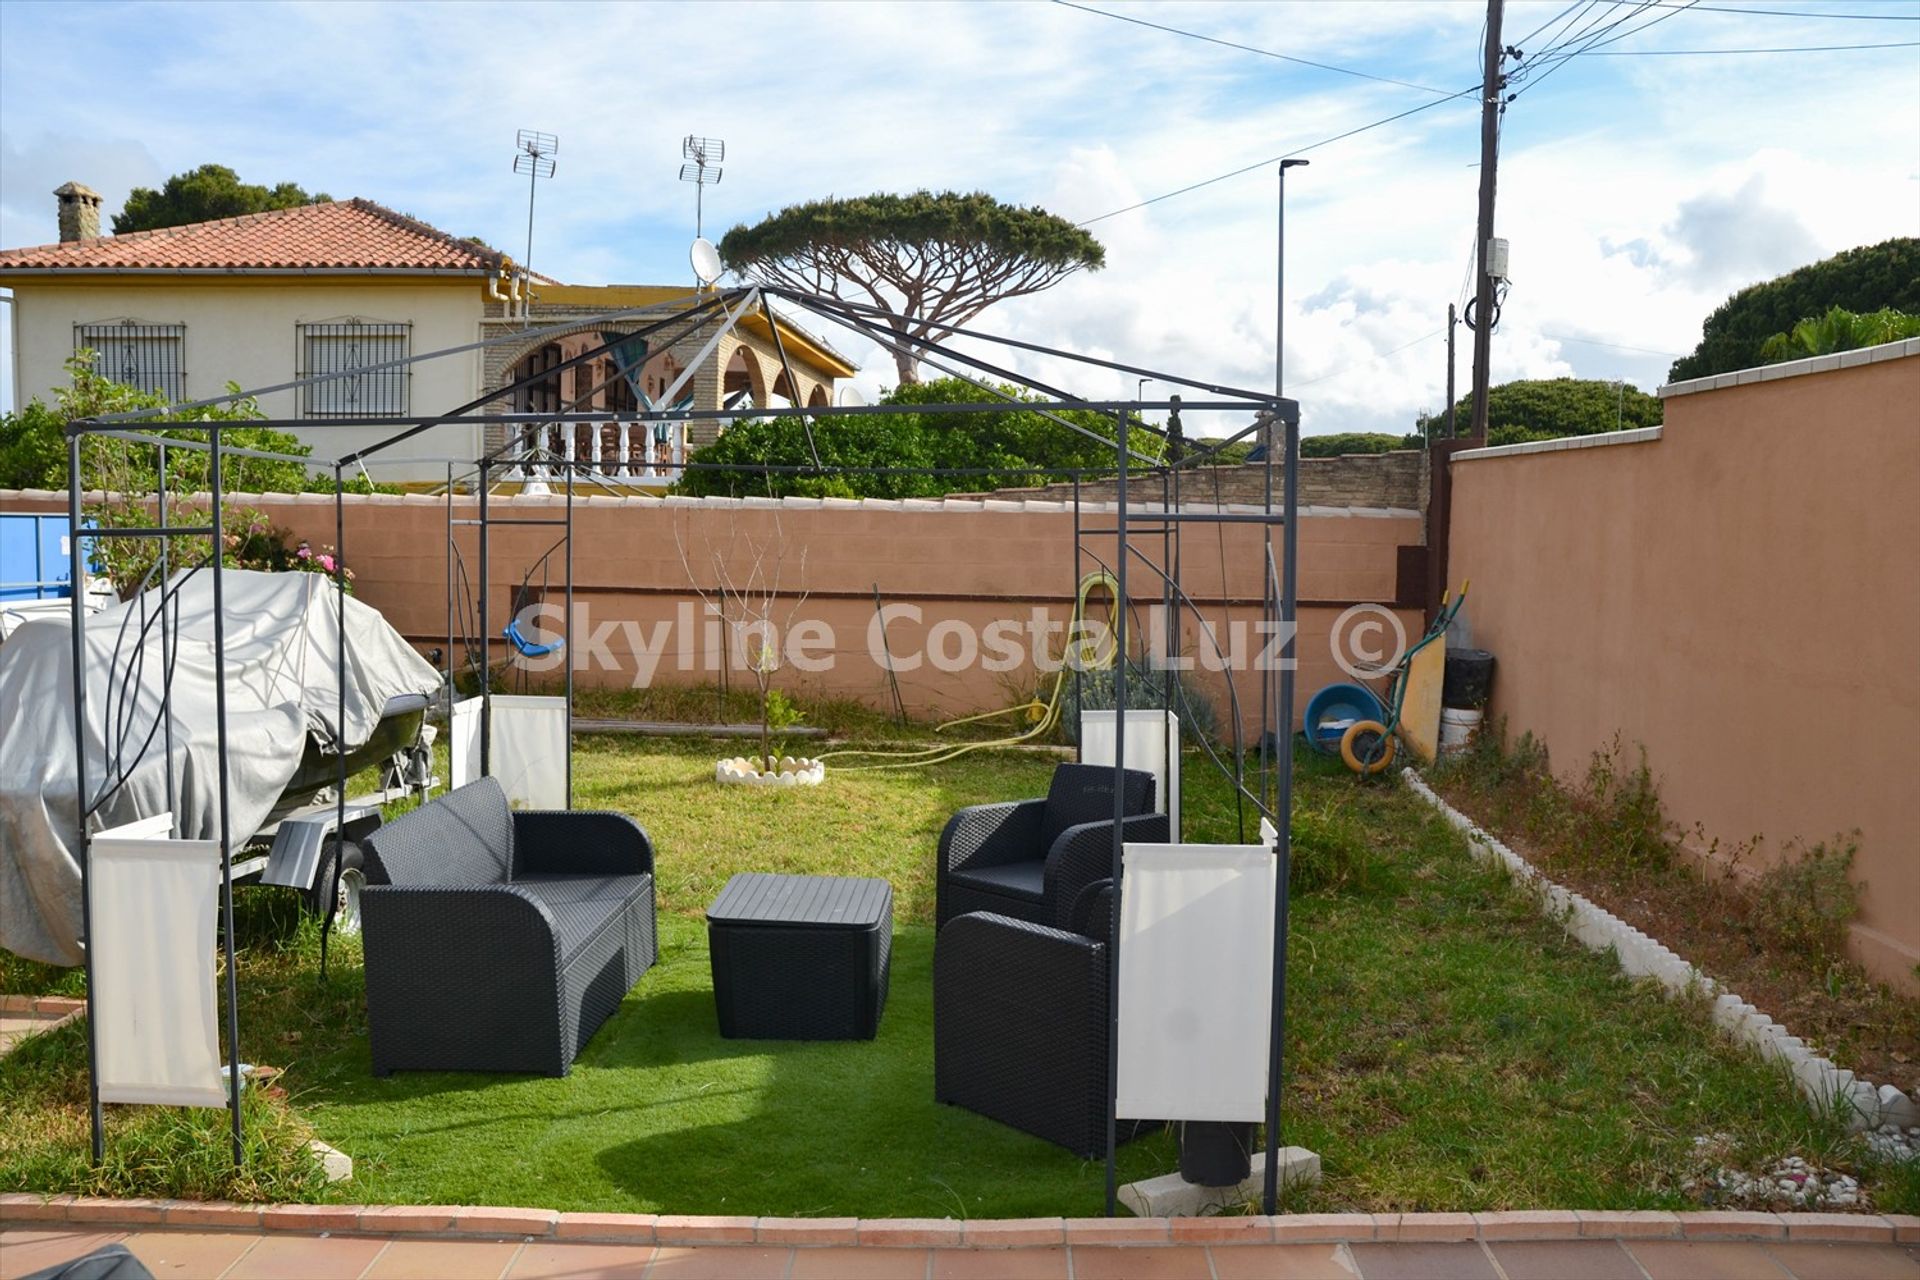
(1016, 879)
(582, 905)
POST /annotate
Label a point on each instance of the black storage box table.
(800, 957)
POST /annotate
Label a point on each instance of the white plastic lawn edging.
(792, 773)
(1826, 1086)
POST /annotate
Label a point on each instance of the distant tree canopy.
(922, 259)
(1547, 408)
(1012, 448)
(200, 195)
(1860, 280)
(1344, 442)
(1839, 330)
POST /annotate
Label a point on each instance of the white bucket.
(1457, 727)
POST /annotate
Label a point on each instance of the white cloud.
(1636, 192)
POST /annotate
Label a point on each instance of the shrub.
(1806, 901)
(1146, 690)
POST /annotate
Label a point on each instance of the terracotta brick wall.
(1396, 480)
(978, 562)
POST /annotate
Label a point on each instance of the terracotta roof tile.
(340, 236)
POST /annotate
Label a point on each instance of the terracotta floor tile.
(1811, 1261)
(1285, 1262)
(999, 1264)
(24, 1251)
(1144, 1262)
(544, 1261)
(1564, 1260)
(1423, 1261)
(189, 1255)
(307, 1258)
(437, 1259)
(1705, 1260)
(718, 1262)
(859, 1264)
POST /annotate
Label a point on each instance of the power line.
(1372, 359)
(1527, 39)
(1593, 43)
(1247, 48)
(1617, 346)
(1795, 13)
(1798, 48)
(1294, 151)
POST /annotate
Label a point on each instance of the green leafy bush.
(1863, 279)
(1806, 901)
(1002, 449)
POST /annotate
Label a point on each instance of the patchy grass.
(1447, 1048)
(1777, 937)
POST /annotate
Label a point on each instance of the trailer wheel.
(353, 878)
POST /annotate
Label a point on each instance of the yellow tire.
(1366, 747)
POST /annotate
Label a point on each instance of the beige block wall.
(1741, 596)
(244, 329)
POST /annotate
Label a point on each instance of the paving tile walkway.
(252, 1255)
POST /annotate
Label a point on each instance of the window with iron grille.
(146, 357)
(348, 347)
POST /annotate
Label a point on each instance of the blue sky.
(1637, 191)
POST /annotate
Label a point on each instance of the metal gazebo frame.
(1273, 799)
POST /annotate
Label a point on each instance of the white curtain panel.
(152, 1001)
(1153, 746)
(1196, 981)
(463, 742)
(529, 750)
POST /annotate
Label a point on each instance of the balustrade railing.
(647, 454)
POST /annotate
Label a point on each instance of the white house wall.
(245, 330)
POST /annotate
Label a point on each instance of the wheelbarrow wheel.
(1366, 747)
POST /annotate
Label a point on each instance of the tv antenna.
(534, 159)
(703, 157)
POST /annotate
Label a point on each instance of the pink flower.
(305, 552)
(326, 562)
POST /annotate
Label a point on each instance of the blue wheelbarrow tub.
(1333, 709)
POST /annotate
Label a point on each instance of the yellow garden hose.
(1091, 657)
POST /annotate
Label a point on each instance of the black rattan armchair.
(1021, 1022)
(500, 941)
(1030, 859)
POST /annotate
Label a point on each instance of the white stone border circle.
(792, 773)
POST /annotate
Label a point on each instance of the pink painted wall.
(1741, 596)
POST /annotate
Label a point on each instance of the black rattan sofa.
(498, 940)
(1021, 1022)
(1030, 859)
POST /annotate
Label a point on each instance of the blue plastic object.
(1334, 708)
(528, 648)
(35, 562)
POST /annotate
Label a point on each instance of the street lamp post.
(1280, 285)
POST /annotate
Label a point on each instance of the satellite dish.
(850, 395)
(706, 260)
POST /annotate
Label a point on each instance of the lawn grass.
(1447, 1048)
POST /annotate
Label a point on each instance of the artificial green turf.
(662, 1114)
(1447, 1047)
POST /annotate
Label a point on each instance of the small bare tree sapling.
(749, 592)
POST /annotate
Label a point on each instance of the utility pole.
(1491, 89)
(1453, 321)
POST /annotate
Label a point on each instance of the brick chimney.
(79, 213)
